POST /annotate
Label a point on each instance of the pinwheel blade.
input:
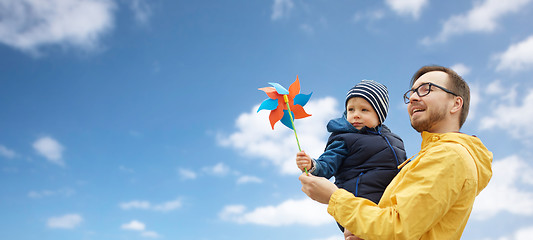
(298, 112)
(286, 119)
(302, 99)
(294, 88)
(268, 104)
(271, 92)
(275, 116)
(280, 89)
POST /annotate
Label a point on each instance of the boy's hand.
(303, 161)
(349, 235)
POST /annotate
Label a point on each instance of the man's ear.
(457, 105)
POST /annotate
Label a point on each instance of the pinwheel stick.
(293, 128)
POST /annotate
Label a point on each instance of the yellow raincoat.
(431, 197)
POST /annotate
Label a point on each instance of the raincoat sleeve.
(415, 201)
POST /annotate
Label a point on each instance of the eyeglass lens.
(421, 90)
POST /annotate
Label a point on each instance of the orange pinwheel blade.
(271, 92)
(275, 116)
(294, 89)
(299, 112)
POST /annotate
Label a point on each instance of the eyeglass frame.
(407, 101)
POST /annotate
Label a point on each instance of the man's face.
(428, 113)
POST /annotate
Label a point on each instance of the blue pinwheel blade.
(280, 89)
(268, 104)
(286, 119)
(302, 99)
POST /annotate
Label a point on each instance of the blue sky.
(136, 119)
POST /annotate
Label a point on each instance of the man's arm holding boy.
(407, 217)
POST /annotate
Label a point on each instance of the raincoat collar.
(479, 153)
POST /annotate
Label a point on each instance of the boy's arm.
(329, 162)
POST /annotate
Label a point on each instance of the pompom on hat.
(375, 93)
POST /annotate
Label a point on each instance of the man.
(433, 195)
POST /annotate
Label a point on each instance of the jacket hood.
(341, 125)
(481, 155)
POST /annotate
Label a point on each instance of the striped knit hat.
(375, 93)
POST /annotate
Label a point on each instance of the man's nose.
(414, 97)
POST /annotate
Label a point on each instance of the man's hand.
(317, 188)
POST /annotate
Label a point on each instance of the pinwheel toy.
(282, 103)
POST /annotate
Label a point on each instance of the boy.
(362, 153)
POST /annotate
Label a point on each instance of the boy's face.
(360, 113)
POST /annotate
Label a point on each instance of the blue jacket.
(362, 161)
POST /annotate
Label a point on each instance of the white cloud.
(331, 238)
(407, 7)
(302, 212)
(168, 206)
(475, 99)
(504, 192)
(186, 173)
(521, 234)
(67, 221)
(281, 8)
(249, 179)
(518, 116)
(125, 169)
(231, 211)
(6, 152)
(475, 92)
(28, 25)
(500, 93)
(461, 69)
(146, 205)
(47, 193)
(220, 169)
(135, 205)
(495, 88)
(133, 225)
(517, 57)
(40, 194)
(254, 137)
(50, 149)
(308, 29)
(524, 233)
(150, 234)
(483, 17)
(373, 15)
(141, 10)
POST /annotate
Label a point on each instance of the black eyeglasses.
(424, 90)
